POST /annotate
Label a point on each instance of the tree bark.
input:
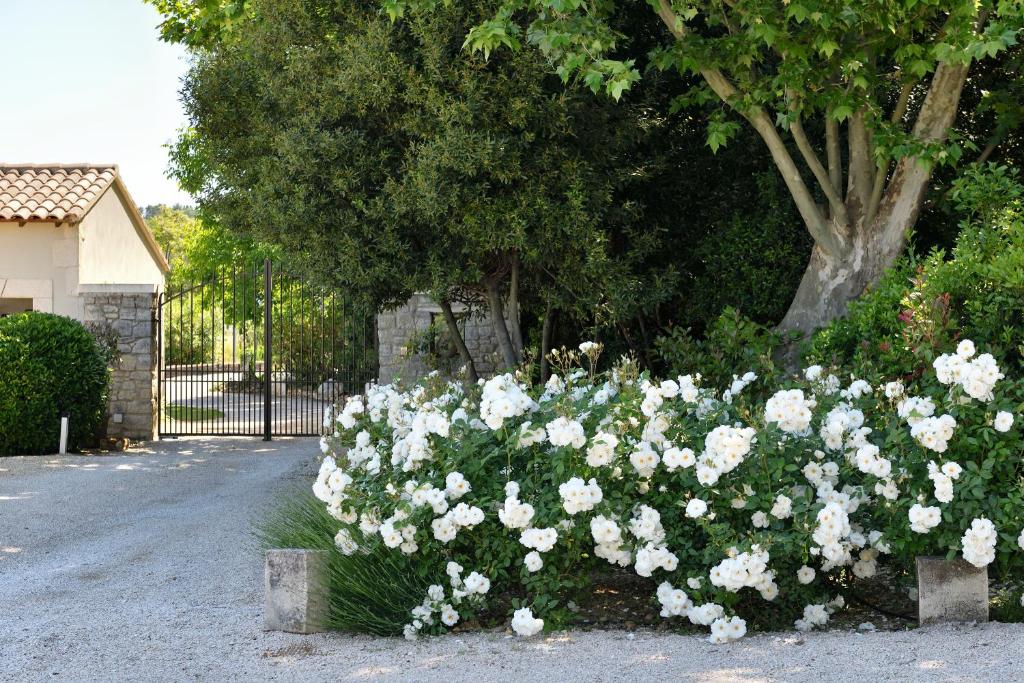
(508, 353)
(460, 343)
(545, 342)
(514, 328)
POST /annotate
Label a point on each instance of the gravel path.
(140, 567)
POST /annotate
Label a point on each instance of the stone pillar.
(950, 590)
(130, 319)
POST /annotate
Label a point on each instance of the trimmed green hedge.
(49, 365)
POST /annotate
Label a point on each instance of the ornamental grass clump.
(507, 496)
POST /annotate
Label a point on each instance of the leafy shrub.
(366, 593)
(49, 365)
(775, 248)
(503, 492)
(922, 306)
(732, 341)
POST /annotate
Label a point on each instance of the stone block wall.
(398, 331)
(129, 318)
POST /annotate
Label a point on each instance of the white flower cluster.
(942, 478)
(976, 375)
(924, 519)
(580, 435)
(579, 496)
(503, 398)
(461, 516)
(515, 514)
(790, 410)
(602, 449)
(565, 432)
(869, 461)
(609, 542)
(724, 449)
(471, 590)
(746, 570)
(979, 543)
(725, 629)
(1003, 421)
(644, 459)
(814, 615)
(330, 484)
(737, 386)
(934, 433)
(913, 409)
(653, 556)
(541, 540)
(833, 526)
(840, 422)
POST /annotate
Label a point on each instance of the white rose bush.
(725, 500)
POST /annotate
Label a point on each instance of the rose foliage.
(515, 495)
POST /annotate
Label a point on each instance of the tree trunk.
(545, 342)
(830, 282)
(878, 228)
(515, 331)
(508, 353)
(460, 343)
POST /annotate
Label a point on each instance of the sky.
(90, 81)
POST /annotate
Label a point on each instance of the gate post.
(268, 335)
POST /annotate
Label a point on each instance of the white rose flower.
(524, 623)
(533, 561)
(1003, 421)
(696, 508)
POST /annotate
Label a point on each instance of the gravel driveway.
(140, 567)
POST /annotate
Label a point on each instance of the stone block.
(950, 591)
(295, 590)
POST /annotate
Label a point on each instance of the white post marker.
(63, 434)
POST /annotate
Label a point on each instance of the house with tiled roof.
(67, 229)
(72, 242)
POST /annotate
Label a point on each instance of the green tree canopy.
(854, 100)
(395, 162)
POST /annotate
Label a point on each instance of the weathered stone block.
(950, 591)
(295, 590)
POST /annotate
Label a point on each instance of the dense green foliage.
(733, 343)
(49, 366)
(367, 593)
(975, 291)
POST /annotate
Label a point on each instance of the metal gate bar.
(257, 351)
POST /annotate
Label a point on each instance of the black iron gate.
(256, 351)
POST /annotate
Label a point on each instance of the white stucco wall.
(39, 261)
(111, 251)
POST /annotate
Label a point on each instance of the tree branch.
(835, 156)
(817, 226)
(835, 201)
(460, 343)
(882, 172)
(858, 191)
(515, 330)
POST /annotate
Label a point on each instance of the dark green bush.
(731, 344)
(975, 292)
(49, 365)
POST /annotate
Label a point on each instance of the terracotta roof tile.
(51, 192)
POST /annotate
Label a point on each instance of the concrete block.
(949, 591)
(295, 590)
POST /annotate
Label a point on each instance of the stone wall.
(403, 341)
(129, 319)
